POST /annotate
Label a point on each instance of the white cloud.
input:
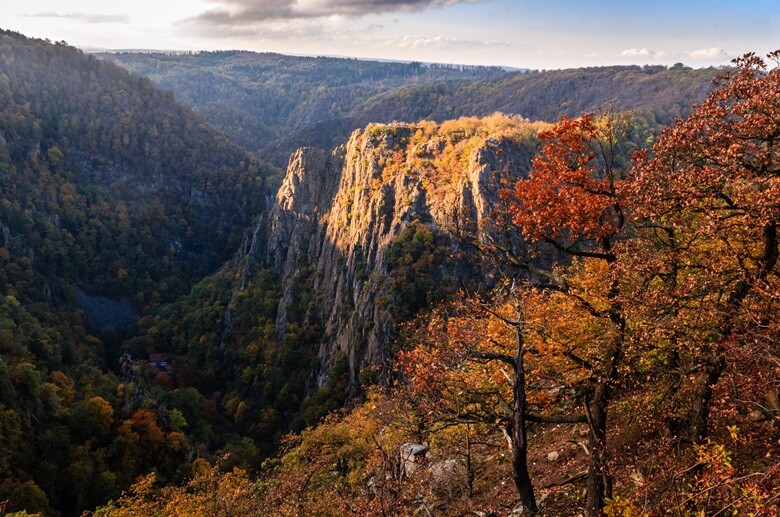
(638, 52)
(706, 54)
(413, 42)
(85, 17)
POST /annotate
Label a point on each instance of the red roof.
(158, 358)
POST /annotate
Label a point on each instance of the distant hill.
(140, 184)
(273, 104)
(667, 92)
(261, 98)
(113, 198)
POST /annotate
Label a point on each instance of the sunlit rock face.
(336, 214)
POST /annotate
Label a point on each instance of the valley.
(240, 283)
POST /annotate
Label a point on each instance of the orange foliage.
(571, 191)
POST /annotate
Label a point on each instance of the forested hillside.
(113, 198)
(274, 104)
(485, 314)
(153, 197)
(261, 98)
(635, 374)
(549, 95)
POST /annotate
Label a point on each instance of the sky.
(541, 34)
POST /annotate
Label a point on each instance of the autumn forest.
(253, 284)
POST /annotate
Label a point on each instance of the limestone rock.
(336, 214)
(412, 455)
(448, 477)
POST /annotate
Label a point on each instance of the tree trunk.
(519, 436)
(599, 483)
(599, 486)
(700, 412)
(699, 416)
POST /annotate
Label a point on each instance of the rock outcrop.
(336, 214)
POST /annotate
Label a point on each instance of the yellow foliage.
(440, 154)
(209, 493)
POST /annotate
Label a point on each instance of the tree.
(91, 419)
(468, 368)
(29, 497)
(209, 492)
(485, 364)
(570, 203)
(706, 203)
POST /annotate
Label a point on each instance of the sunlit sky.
(542, 34)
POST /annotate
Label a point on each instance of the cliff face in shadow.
(336, 215)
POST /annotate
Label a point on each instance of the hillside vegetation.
(249, 339)
(111, 195)
(273, 104)
(635, 376)
(261, 99)
(151, 195)
(441, 317)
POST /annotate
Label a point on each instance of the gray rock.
(448, 477)
(335, 215)
(412, 456)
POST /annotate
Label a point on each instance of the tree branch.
(570, 479)
(494, 356)
(584, 363)
(610, 257)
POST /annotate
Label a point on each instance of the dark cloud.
(85, 17)
(266, 32)
(249, 12)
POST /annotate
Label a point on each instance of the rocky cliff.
(337, 214)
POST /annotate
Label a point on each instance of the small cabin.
(158, 360)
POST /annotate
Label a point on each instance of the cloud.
(85, 17)
(638, 52)
(296, 30)
(249, 12)
(706, 54)
(412, 42)
(702, 54)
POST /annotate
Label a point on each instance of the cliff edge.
(336, 215)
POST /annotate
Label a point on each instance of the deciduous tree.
(571, 202)
(706, 203)
(468, 368)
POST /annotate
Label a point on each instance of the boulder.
(448, 477)
(412, 456)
